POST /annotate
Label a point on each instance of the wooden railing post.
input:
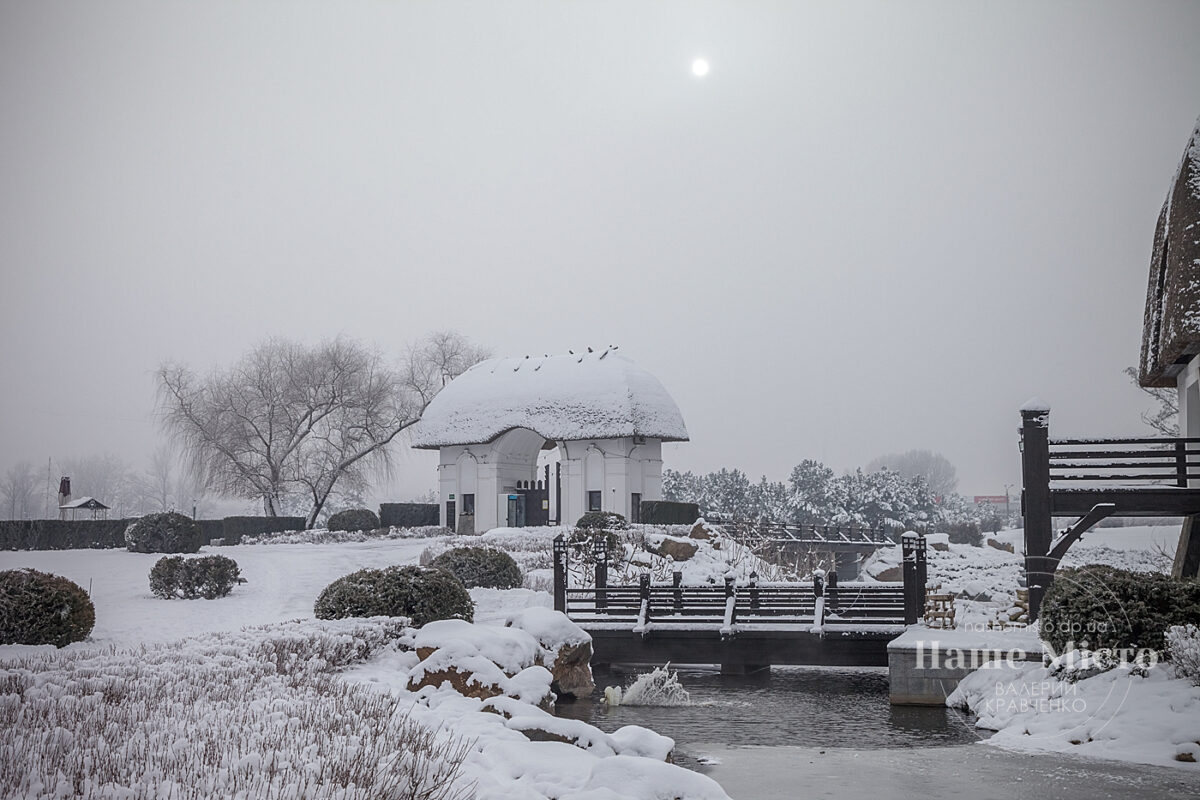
(600, 554)
(560, 573)
(677, 593)
(1035, 501)
(644, 593)
(831, 585)
(730, 593)
(818, 584)
(754, 591)
(912, 543)
(1181, 469)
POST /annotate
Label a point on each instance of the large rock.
(890, 574)
(702, 530)
(566, 649)
(1005, 546)
(671, 547)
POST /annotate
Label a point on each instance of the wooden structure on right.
(1092, 479)
(1159, 477)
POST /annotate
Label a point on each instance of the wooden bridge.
(743, 625)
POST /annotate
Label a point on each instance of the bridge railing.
(822, 601)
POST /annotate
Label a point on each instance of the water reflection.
(800, 706)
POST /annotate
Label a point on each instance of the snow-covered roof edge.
(593, 395)
(1171, 327)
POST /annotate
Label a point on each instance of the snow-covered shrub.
(480, 566)
(209, 577)
(602, 520)
(1183, 650)
(419, 593)
(353, 519)
(321, 536)
(165, 532)
(1108, 607)
(40, 608)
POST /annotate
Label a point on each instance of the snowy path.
(283, 582)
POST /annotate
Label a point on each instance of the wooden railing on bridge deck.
(812, 605)
(831, 535)
(1097, 478)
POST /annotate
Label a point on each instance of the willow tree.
(292, 420)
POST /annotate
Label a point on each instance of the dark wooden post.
(1181, 479)
(831, 588)
(754, 591)
(677, 585)
(730, 592)
(818, 584)
(644, 592)
(560, 573)
(600, 553)
(1035, 500)
(913, 608)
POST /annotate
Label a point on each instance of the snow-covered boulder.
(481, 661)
(566, 648)
(672, 547)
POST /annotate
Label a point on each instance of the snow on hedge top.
(563, 398)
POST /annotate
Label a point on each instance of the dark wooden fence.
(812, 605)
(1093, 479)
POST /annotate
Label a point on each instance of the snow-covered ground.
(262, 698)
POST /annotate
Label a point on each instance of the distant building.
(606, 416)
(83, 508)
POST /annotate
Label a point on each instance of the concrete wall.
(923, 669)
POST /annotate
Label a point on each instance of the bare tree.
(18, 490)
(1164, 417)
(940, 475)
(288, 418)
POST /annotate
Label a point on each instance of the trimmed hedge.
(601, 521)
(665, 512)
(419, 593)
(97, 534)
(1116, 608)
(40, 608)
(234, 528)
(353, 519)
(165, 532)
(408, 515)
(480, 566)
(56, 534)
(209, 577)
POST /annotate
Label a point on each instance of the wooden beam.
(1081, 526)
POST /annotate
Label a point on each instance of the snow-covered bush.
(258, 713)
(602, 520)
(480, 566)
(40, 608)
(353, 519)
(1108, 607)
(209, 577)
(419, 593)
(322, 536)
(166, 532)
(1183, 650)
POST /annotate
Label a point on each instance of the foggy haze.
(870, 227)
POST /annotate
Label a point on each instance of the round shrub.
(480, 566)
(166, 532)
(423, 594)
(602, 521)
(209, 577)
(1115, 608)
(40, 608)
(353, 519)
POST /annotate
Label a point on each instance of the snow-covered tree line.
(814, 494)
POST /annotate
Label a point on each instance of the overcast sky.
(871, 226)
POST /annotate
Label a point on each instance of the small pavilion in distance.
(606, 417)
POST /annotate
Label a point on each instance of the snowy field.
(178, 699)
(242, 681)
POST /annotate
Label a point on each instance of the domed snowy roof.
(563, 398)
